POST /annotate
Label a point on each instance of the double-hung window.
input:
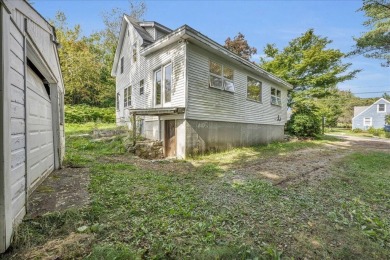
(135, 52)
(221, 76)
(276, 97)
(141, 87)
(163, 84)
(367, 121)
(254, 89)
(117, 101)
(122, 65)
(127, 97)
(381, 107)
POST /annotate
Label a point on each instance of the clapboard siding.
(378, 118)
(17, 119)
(143, 69)
(205, 103)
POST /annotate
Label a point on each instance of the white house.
(192, 93)
(371, 116)
(31, 109)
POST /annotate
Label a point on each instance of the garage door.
(40, 149)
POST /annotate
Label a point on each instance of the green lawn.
(192, 209)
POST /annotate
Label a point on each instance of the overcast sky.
(261, 22)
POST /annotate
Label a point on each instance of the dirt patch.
(59, 248)
(309, 166)
(63, 189)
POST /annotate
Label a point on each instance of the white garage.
(32, 140)
(40, 146)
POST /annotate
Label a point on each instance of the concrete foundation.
(213, 136)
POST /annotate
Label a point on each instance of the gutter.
(191, 33)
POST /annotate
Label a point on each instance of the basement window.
(221, 76)
(276, 97)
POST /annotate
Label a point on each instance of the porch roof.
(158, 111)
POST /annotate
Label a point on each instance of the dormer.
(155, 30)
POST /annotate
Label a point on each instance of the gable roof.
(146, 37)
(358, 110)
(367, 108)
(185, 32)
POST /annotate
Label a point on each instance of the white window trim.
(162, 69)
(134, 53)
(364, 121)
(143, 87)
(222, 78)
(278, 99)
(118, 101)
(126, 95)
(377, 108)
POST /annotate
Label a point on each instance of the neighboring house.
(192, 93)
(371, 116)
(31, 105)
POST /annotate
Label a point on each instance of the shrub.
(357, 130)
(374, 131)
(387, 119)
(304, 125)
(85, 113)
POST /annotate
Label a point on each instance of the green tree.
(376, 42)
(306, 63)
(105, 43)
(80, 65)
(311, 67)
(240, 46)
(386, 96)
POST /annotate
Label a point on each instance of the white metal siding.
(40, 153)
(17, 119)
(205, 103)
(144, 69)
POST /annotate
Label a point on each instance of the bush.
(357, 130)
(304, 125)
(85, 113)
(375, 131)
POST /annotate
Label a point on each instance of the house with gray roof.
(182, 88)
(371, 116)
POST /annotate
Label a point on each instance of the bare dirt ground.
(68, 188)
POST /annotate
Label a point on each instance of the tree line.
(315, 70)
(306, 62)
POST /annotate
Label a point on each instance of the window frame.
(161, 69)
(122, 67)
(141, 87)
(278, 99)
(364, 121)
(261, 90)
(164, 81)
(384, 108)
(222, 77)
(127, 96)
(118, 96)
(134, 53)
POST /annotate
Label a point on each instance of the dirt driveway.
(69, 187)
(310, 165)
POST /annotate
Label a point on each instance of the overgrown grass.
(372, 132)
(86, 128)
(138, 213)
